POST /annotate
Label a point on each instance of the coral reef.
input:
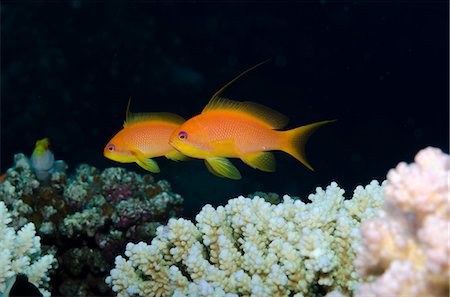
(20, 252)
(406, 248)
(387, 240)
(88, 215)
(253, 247)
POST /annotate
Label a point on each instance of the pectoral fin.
(264, 161)
(222, 167)
(176, 156)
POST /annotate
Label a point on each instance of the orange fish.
(143, 137)
(245, 130)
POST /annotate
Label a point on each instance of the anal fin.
(264, 161)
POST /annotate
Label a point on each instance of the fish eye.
(110, 147)
(182, 135)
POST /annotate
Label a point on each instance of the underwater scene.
(200, 148)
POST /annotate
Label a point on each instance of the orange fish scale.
(150, 137)
(235, 133)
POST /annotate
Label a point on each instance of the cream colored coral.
(250, 247)
(20, 253)
(407, 246)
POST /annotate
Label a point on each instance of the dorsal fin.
(269, 116)
(133, 118)
(220, 91)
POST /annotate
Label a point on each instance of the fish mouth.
(117, 156)
(109, 155)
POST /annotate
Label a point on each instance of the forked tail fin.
(297, 138)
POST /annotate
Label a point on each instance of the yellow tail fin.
(297, 138)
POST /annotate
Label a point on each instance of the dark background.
(381, 69)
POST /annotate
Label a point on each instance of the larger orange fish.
(245, 130)
(143, 137)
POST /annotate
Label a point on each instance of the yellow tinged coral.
(251, 247)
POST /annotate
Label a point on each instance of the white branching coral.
(20, 253)
(406, 248)
(251, 247)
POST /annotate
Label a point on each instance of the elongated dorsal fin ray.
(220, 91)
(265, 114)
(127, 113)
(133, 118)
(168, 117)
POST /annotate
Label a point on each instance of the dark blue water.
(381, 69)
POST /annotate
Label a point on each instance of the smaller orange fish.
(144, 136)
